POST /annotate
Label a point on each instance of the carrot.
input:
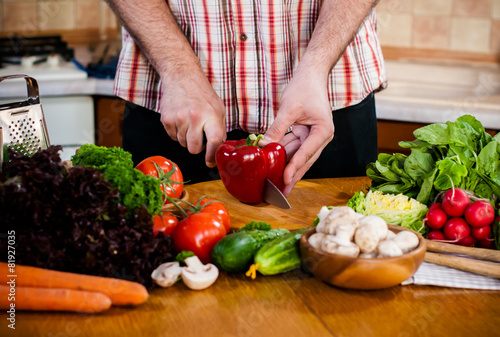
(47, 299)
(121, 292)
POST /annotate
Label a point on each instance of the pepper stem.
(252, 272)
(253, 140)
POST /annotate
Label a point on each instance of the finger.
(310, 149)
(171, 130)
(181, 135)
(300, 173)
(215, 133)
(277, 130)
(194, 139)
(291, 148)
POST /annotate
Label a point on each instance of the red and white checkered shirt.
(248, 51)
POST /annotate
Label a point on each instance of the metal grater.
(22, 124)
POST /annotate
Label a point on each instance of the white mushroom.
(406, 241)
(388, 248)
(337, 216)
(323, 212)
(315, 240)
(329, 244)
(366, 238)
(348, 250)
(368, 255)
(378, 223)
(167, 274)
(390, 235)
(198, 276)
(345, 233)
(334, 245)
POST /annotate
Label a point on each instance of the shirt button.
(243, 37)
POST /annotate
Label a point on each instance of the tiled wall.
(31, 16)
(450, 25)
(446, 25)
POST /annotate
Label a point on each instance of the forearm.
(157, 34)
(337, 24)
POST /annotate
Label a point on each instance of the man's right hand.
(193, 114)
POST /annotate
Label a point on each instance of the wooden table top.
(292, 304)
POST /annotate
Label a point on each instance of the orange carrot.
(46, 299)
(121, 292)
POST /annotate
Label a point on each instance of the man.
(216, 68)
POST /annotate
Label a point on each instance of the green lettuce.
(398, 210)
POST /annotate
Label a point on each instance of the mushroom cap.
(388, 248)
(366, 238)
(315, 240)
(377, 223)
(350, 249)
(166, 274)
(198, 276)
(337, 216)
(329, 244)
(406, 241)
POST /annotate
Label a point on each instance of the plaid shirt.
(248, 51)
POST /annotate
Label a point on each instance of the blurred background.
(442, 58)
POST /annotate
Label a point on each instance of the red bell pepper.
(244, 167)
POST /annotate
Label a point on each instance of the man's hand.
(305, 106)
(190, 111)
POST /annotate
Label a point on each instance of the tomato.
(169, 174)
(164, 222)
(216, 207)
(199, 233)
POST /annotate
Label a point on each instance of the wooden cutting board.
(306, 199)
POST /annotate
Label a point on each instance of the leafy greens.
(460, 154)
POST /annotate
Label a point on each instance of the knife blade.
(273, 196)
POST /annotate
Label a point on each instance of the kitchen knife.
(273, 196)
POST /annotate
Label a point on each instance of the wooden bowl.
(361, 273)
(172, 208)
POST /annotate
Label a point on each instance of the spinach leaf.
(426, 189)
(450, 175)
(418, 164)
(435, 134)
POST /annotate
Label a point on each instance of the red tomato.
(216, 207)
(164, 222)
(169, 174)
(199, 233)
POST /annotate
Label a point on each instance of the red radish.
(456, 229)
(486, 243)
(435, 205)
(455, 201)
(468, 241)
(436, 218)
(436, 235)
(480, 213)
(480, 233)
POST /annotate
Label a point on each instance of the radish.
(480, 213)
(487, 243)
(455, 201)
(436, 218)
(435, 235)
(456, 229)
(468, 241)
(435, 205)
(481, 233)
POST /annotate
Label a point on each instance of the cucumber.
(280, 255)
(235, 251)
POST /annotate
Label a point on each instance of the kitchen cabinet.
(392, 132)
(109, 120)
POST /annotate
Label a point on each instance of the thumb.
(276, 131)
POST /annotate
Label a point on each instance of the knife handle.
(480, 253)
